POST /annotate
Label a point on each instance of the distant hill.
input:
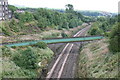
(91, 13)
(97, 13)
(83, 12)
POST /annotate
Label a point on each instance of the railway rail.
(65, 64)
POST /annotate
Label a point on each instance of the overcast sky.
(102, 5)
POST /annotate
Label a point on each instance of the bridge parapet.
(60, 40)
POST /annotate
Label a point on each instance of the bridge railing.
(57, 40)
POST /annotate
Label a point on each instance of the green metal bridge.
(58, 40)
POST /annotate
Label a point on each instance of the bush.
(27, 59)
(114, 44)
(64, 35)
(95, 30)
(6, 51)
(115, 39)
(42, 45)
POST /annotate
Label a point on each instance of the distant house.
(5, 13)
(20, 11)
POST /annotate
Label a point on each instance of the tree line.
(108, 27)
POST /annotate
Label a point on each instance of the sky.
(96, 5)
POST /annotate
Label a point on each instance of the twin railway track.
(65, 64)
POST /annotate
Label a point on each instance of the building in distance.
(5, 13)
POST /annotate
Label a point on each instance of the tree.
(64, 35)
(12, 8)
(25, 17)
(13, 25)
(69, 8)
(42, 22)
(27, 59)
(95, 30)
(42, 45)
(73, 23)
(115, 39)
(104, 26)
(6, 51)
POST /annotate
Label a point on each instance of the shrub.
(42, 45)
(27, 59)
(114, 44)
(115, 39)
(6, 51)
(64, 35)
(14, 47)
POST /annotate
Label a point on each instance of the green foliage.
(114, 44)
(103, 26)
(118, 17)
(26, 59)
(42, 45)
(17, 15)
(42, 22)
(74, 23)
(115, 39)
(64, 35)
(65, 25)
(47, 17)
(5, 28)
(101, 19)
(6, 51)
(13, 26)
(69, 8)
(21, 73)
(11, 70)
(43, 19)
(12, 8)
(23, 61)
(96, 62)
(6, 32)
(95, 30)
(10, 27)
(26, 17)
(88, 19)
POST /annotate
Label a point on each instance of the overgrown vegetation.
(24, 62)
(41, 19)
(64, 35)
(115, 38)
(42, 45)
(27, 62)
(96, 61)
(100, 59)
(103, 26)
(108, 27)
(27, 59)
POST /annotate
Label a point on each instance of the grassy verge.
(96, 61)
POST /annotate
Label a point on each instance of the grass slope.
(95, 61)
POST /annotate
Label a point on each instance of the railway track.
(64, 66)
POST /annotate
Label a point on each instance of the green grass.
(102, 64)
